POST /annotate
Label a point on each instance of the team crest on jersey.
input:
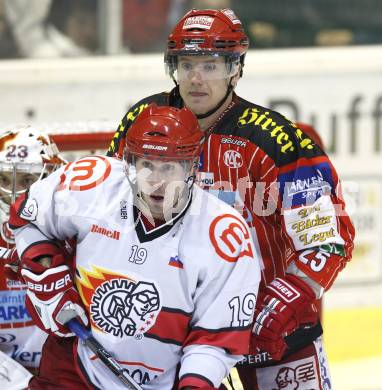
(118, 304)
(85, 173)
(233, 159)
(230, 238)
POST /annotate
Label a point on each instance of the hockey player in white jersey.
(26, 155)
(167, 275)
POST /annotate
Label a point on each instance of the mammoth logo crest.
(118, 304)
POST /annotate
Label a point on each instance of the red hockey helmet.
(165, 133)
(207, 32)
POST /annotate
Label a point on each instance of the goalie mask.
(26, 155)
(161, 158)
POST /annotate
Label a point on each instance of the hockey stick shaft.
(83, 334)
(5, 253)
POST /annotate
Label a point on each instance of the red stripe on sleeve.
(171, 325)
(304, 162)
(234, 341)
(195, 382)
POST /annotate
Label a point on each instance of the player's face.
(203, 81)
(7, 185)
(161, 184)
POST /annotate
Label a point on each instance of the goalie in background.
(26, 156)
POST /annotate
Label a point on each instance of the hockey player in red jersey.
(26, 155)
(281, 181)
(167, 275)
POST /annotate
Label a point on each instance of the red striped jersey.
(282, 182)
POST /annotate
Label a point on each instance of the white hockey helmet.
(26, 155)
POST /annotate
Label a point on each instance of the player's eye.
(147, 164)
(4, 181)
(187, 66)
(209, 67)
(167, 168)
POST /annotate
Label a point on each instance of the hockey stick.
(105, 357)
(5, 253)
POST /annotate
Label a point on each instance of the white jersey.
(183, 293)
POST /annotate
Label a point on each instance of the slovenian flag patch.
(175, 262)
